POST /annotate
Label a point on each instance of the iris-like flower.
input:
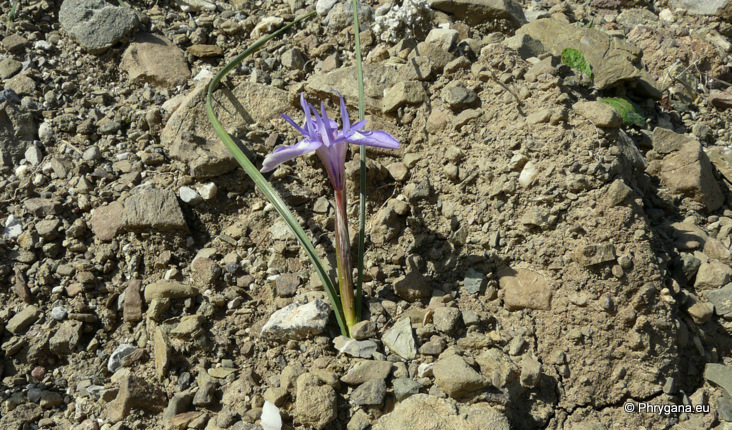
(321, 135)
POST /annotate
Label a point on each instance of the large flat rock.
(613, 60)
(148, 208)
(191, 138)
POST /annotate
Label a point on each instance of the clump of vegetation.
(576, 60)
(629, 111)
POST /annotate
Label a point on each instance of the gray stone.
(115, 360)
(720, 375)
(456, 378)
(474, 281)
(525, 45)
(721, 298)
(370, 393)
(367, 370)
(355, 348)
(178, 404)
(412, 286)
(286, 285)
(59, 313)
(66, 338)
(524, 289)
(599, 113)
(96, 24)
(458, 97)
(156, 60)
(293, 59)
(688, 171)
(23, 319)
(399, 339)
(297, 321)
(666, 141)
(401, 93)
(206, 390)
(477, 11)
(613, 60)
(446, 319)
(405, 387)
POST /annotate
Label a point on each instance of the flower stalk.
(343, 259)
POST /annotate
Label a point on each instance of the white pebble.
(528, 174)
(189, 195)
(33, 155)
(207, 191)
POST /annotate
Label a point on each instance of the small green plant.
(576, 60)
(629, 111)
(13, 10)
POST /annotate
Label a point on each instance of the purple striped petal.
(287, 153)
(376, 138)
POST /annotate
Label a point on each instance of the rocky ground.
(533, 261)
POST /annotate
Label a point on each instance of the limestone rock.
(613, 60)
(155, 59)
(297, 321)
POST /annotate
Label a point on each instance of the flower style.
(321, 135)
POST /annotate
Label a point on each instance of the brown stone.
(162, 353)
(133, 301)
(524, 289)
(688, 171)
(108, 221)
(205, 51)
(136, 393)
(155, 59)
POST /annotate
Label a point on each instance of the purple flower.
(321, 135)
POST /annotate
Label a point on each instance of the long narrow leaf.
(262, 183)
(362, 153)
